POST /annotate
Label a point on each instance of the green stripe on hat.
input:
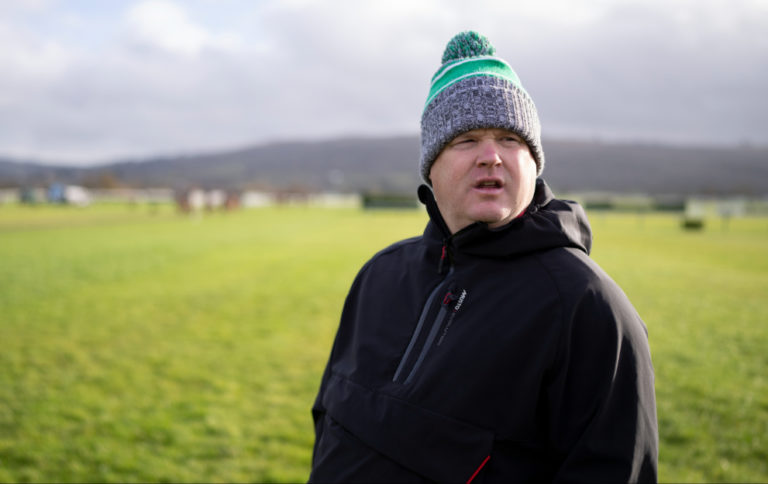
(475, 66)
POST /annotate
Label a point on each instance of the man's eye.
(463, 142)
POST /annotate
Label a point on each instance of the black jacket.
(490, 355)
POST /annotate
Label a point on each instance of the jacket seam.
(412, 404)
(560, 308)
(397, 246)
(383, 252)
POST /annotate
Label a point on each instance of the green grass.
(140, 345)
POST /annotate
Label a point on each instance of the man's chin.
(495, 222)
(493, 214)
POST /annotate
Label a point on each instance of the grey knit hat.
(474, 89)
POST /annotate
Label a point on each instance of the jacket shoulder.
(574, 274)
(591, 301)
(404, 244)
(398, 250)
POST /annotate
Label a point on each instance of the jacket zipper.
(436, 325)
(433, 331)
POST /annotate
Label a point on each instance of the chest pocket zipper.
(430, 338)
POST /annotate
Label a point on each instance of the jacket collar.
(547, 223)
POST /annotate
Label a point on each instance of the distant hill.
(390, 164)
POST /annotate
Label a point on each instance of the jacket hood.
(546, 224)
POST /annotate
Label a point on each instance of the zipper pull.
(443, 260)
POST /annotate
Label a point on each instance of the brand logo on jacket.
(448, 298)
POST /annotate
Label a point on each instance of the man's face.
(483, 175)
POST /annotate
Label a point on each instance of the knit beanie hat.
(474, 89)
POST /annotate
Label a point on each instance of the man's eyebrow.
(466, 134)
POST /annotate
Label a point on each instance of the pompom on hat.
(474, 89)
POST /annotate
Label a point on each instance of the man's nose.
(488, 154)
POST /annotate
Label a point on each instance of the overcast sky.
(90, 81)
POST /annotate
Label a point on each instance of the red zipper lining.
(478, 469)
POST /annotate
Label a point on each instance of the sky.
(86, 82)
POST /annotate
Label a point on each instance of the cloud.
(687, 72)
(164, 77)
(165, 25)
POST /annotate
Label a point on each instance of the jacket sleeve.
(318, 413)
(601, 398)
(318, 409)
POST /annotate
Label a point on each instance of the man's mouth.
(489, 184)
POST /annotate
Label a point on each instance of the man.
(491, 348)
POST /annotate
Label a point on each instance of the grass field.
(147, 346)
